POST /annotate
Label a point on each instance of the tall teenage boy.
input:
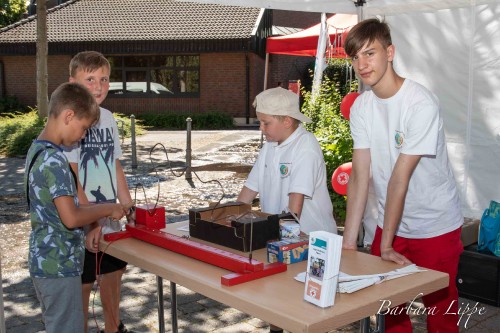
(96, 162)
(56, 244)
(398, 132)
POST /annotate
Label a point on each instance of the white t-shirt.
(96, 156)
(294, 166)
(410, 123)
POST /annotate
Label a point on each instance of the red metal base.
(150, 216)
(202, 252)
(114, 236)
(244, 268)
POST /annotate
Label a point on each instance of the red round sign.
(346, 103)
(340, 178)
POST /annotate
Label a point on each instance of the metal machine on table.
(233, 222)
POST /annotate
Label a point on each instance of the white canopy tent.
(453, 48)
(370, 7)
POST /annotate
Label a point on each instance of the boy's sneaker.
(121, 329)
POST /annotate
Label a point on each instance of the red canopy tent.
(305, 42)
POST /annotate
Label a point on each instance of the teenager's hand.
(349, 245)
(92, 239)
(390, 254)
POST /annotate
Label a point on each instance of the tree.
(42, 77)
(11, 11)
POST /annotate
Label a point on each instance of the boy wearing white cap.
(289, 174)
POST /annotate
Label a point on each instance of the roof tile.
(130, 20)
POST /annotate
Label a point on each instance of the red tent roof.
(305, 42)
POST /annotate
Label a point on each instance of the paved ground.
(225, 156)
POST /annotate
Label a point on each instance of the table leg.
(173, 305)
(379, 324)
(161, 317)
(364, 325)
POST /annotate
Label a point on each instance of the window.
(157, 75)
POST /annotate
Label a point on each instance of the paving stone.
(139, 312)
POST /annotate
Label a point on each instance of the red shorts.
(440, 253)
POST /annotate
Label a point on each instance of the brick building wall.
(223, 78)
(223, 82)
(20, 76)
(223, 85)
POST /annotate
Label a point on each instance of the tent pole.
(361, 88)
(266, 70)
(361, 17)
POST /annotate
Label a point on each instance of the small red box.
(150, 216)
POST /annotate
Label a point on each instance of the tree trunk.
(41, 59)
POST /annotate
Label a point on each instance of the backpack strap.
(33, 160)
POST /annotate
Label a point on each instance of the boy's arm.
(82, 197)
(396, 194)
(246, 195)
(357, 194)
(123, 192)
(296, 203)
(92, 230)
(75, 217)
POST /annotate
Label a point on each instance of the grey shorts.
(61, 301)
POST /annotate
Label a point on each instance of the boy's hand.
(92, 239)
(117, 212)
(130, 211)
(130, 215)
(390, 254)
(349, 245)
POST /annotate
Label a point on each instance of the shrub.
(338, 71)
(331, 128)
(17, 131)
(177, 121)
(124, 125)
(9, 105)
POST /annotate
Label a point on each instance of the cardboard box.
(289, 229)
(478, 276)
(470, 230)
(288, 250)
(233, 225)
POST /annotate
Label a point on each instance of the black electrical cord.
(181, 174)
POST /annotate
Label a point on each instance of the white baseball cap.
(280, 102)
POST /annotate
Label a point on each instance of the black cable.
(181, 174)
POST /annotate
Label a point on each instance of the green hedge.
(18, 130)
(177, 121)
(10, 105)
(124, 123)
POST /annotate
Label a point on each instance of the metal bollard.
(133, 142)
(188, 150)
